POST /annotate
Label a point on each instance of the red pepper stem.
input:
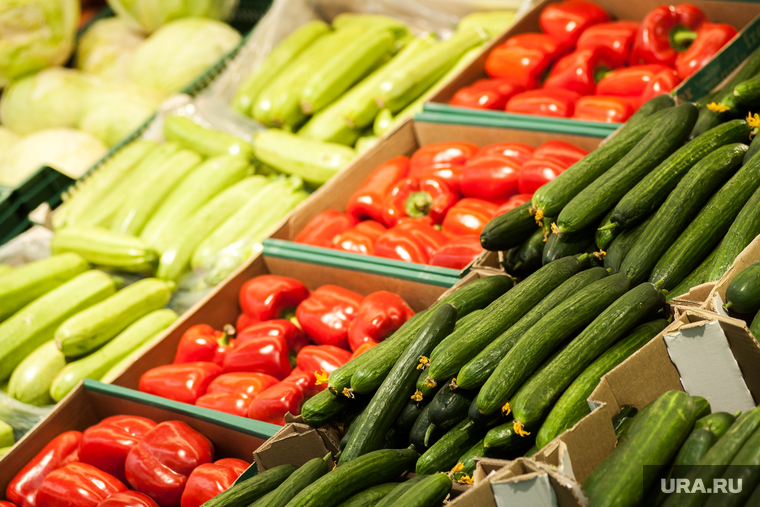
(418, 204)
(600, 73)
(681, 38)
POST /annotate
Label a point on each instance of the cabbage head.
(35, 34)
(179, 52)
(149, 15)
(106, 48)
(113, 110)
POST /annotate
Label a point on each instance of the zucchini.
(545, 336)
(106, 248)
(429, 492)
(510, 229)
(450, 406)
(323, 408)
(743, 293)
(475, 373)
(653, 439)
(533, 400)
(250, 490)
(370, 497)
(529, 255)
(551, 198)
(557, 247)
(443, 454)
(421, 432)
(31, 380)
(653, 189)
(572, 405)
(680, 207)
(605, 235)
(623, 420)
(743, 469)
(718, 423)
(306, 474)
(391, 498)
(371, 469)
(621, 245)
(204, 141)
(387, 402)
(705, 231)
(666, 136)
(503, 313)
(504, 438)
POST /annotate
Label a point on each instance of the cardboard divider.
(717, 296)
(296, 443)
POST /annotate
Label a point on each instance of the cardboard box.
(296, 443)
(717, 296)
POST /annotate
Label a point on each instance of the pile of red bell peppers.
(124, 461)
(432, 207)
(285, 343)
(587, 67)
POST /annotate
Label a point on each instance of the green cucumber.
(743, 469)
(388, 401)
(510, 229)
(467, 460)
(462, 326)
(370, 497)
(371, 469)
(352, 428)
(750, 68)
(250, 490)
(682, 204)
(306, 474)
(443, 454)
(718, 423)
(754, 147)
(31, 380)
(429, 492)
(504, 438)
(529, 255)
(653, 189)
(653, 439)
(709, 226)
(537, 395)
(421, 432)
(477, 371)
(621, 245)
(503, 313)
(743, 293)
(557, 247)
(204, 141)
(509, 259)
(571, 315)
(697, 277)
(666, 136)
(450, 406)
(425, 388)
(26, 283)
(480, 419)
(391, 498)
(703, 407)
(747, 93)
(572, 405)
(623, 420)
(604, 236)
(754, 327)
(323, 408)
(409, 414)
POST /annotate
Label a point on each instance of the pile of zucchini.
(672, 197)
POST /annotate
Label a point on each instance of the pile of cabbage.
(123, 68)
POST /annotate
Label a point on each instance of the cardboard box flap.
(717, 295)
(295, 444)
(697, 296)
(555, 455)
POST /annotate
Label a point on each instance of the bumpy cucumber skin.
(743, 293)
(322, 408)
(557, 247)
(621, 245)
(603, 238)
(252, 489)
(745, 470)
(717, 422)
(444, 453)
(509, 230)
(391, 499)
(428, 492)
(504, 438)
(370, 497)
(298, 480)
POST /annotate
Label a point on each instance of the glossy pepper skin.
(210, 479)
(106, 444)
(491, 174)
(262, 354)
(361, 238)
(367, 201)
(544, 102)
(412, 240)
(4, 503)
(128, 499)
(513, 202)
(417, 198)
(559, 151)
(380, 315)
(361, 350)
(231, 393)
(326, 314)
(294, 337)
(184, 382)
(202, 343)
(443, 161)
(710, 38)
(271, 405)
(665, 31)
(581, 70)
(566, 21)
(631, 81)
(306, 382)
(323, 228)
(321, 359)
(616, 36)
(457, 253)
(161, 463)
(523, 59)
(664, 82)
(486, 94)
(603, 108)
(468, 217)
(77, 485)
(266, 297)
(538, 172)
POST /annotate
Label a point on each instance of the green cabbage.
(149, 15)
(112, 110)
(179, 52)
(35, 34)
(106, 48)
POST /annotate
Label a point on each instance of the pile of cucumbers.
(673, 197)
(743, 296)
(62, 322)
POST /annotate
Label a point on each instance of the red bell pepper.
(536, 173)
(457, 253)
(361, 238)
(708, 40)
(518, 152)
(664, 82)
(272, 405)
(468, 217)
(603, 108)
(128, 499)
(229, 403)
(490, 175)
(664, 32)
(232, 392)
(323, 228)
(513, 202)
(4, 503)
(367, 201)
(486, 94)
(412, 240)
(210, 479)
(319, 361)
(380, 314)
(443, 161)
(243, 322)
(362, 349)
(59, 452)
(306, 381)
(294, 337)
(326, 314)
(77, 485)
(184, 382)
(566, 21)
(202, 343)
(416, 198)
(266, 297)
(616, 36)
(559, 151)
(161, 463)
(260, 354)
(630, 81)
(106, 444)
(581, 70)
(523, 59)
(544, 102)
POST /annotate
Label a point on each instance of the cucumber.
(705, 231)
(371, 469)
(106, 248)
(551, 198)
(697, 277)
(718, 423)
(743, 293)
(426, 388)
(352, 428)
(666, 136)
(572, 405)
(370, 497)
(30, 381)
(754, 147)
(379, 360)
(93, 327)
(653, 439)
(468, 464)
(462, 326)
(703, 407)
(504, 438)
(475, 373)
(503, 313)
(480, 419)
(204, 141)
(535, 398)
(322, 408)
(653, 189)
(306, 474)
(26, 283)
(397, 386)
(545, 336)
(36, 323)
(509, 259)
(510, 229)
(557, 247)
(450, 406)
(754, 327)
(421, 432)
(408, 415)
(680, 207)
(95, 365)
(443, 454)
(747, 93)
(250, 490)
(262, 500)
(750, 68)
(391, 499)
(623, 420)
(604, 236)
(429, 492)
(529, 255)
(743, 469)
(621, 245)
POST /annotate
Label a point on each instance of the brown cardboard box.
(717, 297)
(295, 444)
